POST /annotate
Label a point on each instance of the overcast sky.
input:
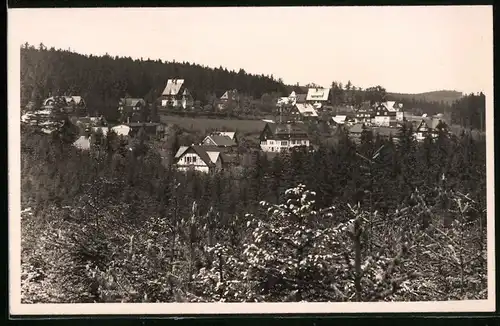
(404, 49)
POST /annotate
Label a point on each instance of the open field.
(202, 124)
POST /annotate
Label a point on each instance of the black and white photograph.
(251, 159)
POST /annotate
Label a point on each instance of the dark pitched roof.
(200, 150)
(222, 140)
(301, 98)
(229, 158)
(286, 129)
(143, 124)
(131, 101)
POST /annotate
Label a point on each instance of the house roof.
(300, 98)
(209, 157)
(230, 134)
(222, 140)
(213, 155)
(340, 119)
(173, 87)
(306, 109)
(128, 101)
(357, 128)
(297, 90)
(431, 123)
(317, 94)
(286, 129)
(233, 93)
(68, 99)
(142, 124)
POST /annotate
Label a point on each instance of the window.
(194, 159)
(284, 143)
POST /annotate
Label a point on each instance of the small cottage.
(198, 158)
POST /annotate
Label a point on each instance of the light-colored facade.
(279, 137)
(196, 158)
(176, 95)
(276, 145)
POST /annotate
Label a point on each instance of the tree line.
(103, 80)
(352, 222)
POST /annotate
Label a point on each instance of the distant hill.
(445, 96)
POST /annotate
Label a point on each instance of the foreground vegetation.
(114, 225)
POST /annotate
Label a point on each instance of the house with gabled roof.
(219, 140)
(229, 96)
(131, 109)
(276, 137)
(70, 104)
(303, 111)
(176, 95)
(365, 113)
(430, 126)
(198, 158)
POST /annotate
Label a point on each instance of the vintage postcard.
(248, 160)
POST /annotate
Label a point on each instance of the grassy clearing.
(247, 127)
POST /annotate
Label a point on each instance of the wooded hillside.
(103, 80)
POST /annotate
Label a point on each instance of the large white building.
(278, 137)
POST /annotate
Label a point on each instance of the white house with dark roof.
(176, 95)
(429, 126)
(278, 137)
(198, 158)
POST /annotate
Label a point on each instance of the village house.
(303, 111)
(387, 113)
(317, 97)
(364, 114)
(230, 96)
(277, 137)
(70, 104)
(430, 126)
(218, 139)
(150, 128)
(131, 109)
(386, 132)
(198, 158)
(87, 124)
(356, 130)
(176, 95)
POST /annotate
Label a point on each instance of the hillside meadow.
(202, 124)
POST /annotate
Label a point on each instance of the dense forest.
(103, 80)
(444, 96)
(374, 221)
